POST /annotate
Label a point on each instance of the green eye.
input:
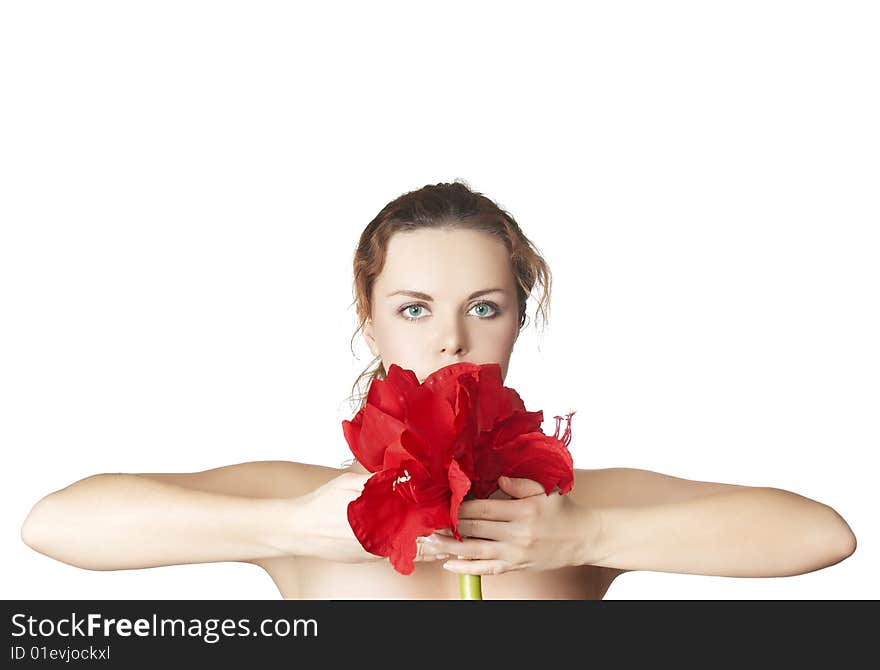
(409, 316)
(490, 305)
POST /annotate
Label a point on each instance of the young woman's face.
(448, 324)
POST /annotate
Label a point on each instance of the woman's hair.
(441, 206)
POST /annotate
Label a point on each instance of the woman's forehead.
(437, 258)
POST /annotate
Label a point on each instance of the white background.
(183, 185)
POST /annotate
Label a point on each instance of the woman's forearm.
(125, 521)
(751, 532)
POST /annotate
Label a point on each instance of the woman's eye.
(483, 306)
(485, 310)
(406, 311)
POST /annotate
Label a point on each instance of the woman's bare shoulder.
(256, 479)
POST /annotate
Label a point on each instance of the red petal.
(389, 394)
(378, 432)
(537, 456)
(352, 430)
(432, 421)
(387, 521)
(491, 400)
(445, 381)
(517, 424)
(459, 484)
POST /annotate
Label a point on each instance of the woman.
(441, 275)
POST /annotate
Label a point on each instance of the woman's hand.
(528, 531)
(320, 521)
(319, 524)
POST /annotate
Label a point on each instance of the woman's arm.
(667, 524)
(244, 512)
(627, 519)
(126, 521)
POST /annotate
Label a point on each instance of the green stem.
(469, 587)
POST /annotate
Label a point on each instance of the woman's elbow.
(841, 538)
(30, 529)
(39, 531)
(36, 531)
(849, 543)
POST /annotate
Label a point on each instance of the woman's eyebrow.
(425, 296)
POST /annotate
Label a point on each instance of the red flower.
(430, 444)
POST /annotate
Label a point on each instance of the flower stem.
(469, 587)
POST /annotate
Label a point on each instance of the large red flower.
(431, 444)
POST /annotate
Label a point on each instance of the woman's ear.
(369, 337)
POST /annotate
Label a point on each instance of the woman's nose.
(453, 338)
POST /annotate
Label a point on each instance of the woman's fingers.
(486, 530)
(466, 549)
(493, 567)
(429, 551)
(491, 510)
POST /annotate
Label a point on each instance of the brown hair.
(442, 206)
